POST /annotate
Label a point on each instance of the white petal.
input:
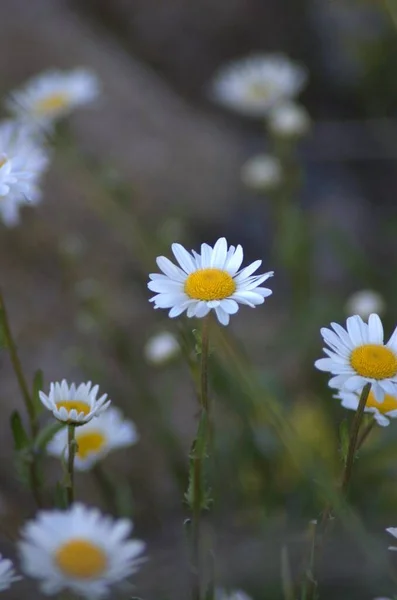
(170, 269)
(375, 329)
(184, 258)
(234, 263)
(229, 306)
(223, 317)
(219, 254)
(247, 271)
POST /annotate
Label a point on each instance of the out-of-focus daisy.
(255, 84)
(96, 439)
(79, 549)
(7, 574)
(161, 348)
(357, 355)
(207, 281)
(22, 163)
(53, 94)
(393, 532)
(365, 302)
(382, 411)
(262, 172)
(221, 594)
(72, 404)
(289, 119)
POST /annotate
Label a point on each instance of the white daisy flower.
(365, 302)
(221, 594)
(358, 356)
(262, 172)
(161, 348)
(53, 94)
(382, 411)
(79, 549)
(289, 120)
(7, 574)
(22, 162)
(253, 85)
(95, 439)
(72, 404)
(206, 281)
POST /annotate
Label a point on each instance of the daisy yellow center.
(260, 91)
(81, 407)
(388, 404)
(209, 284)
(3, 160)
(51, 104)
(89, 443)
(81, 559)
(374, 361)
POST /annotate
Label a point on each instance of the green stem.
(199, 453)
(71, 455)
(351, 453)
(23, 386)
(16, 365)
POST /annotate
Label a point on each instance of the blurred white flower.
(221, 594)
(262, 172)
(393, 532)
(254, 85)
(161, 348)
(289, 119)
(23, 160)
(211, 280)
(365, 302)
(382, 411)
(53, 94)
(358, 355)
(74, 404)
(80, 550)
(7, 574)
(95, 439)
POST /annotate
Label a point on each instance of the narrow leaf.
(21, 438)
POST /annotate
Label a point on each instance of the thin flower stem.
(23, 386)
(351, 453)
(16, 365)
(199, 453)
(71, 455)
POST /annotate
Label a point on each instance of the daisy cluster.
(24, 150)
(265, 86)
(357, 355)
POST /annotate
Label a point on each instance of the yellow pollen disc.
(51, 104)
(388, 404)
(3, 161)
(81, 407)
(260, 91)
(89, 442)
(209, 284)
(374, 361)
(81, 559)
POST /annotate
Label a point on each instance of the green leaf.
(21, 438)
(37, 387)
(45, 435)
(60, 498)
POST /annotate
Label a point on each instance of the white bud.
(161, 348)
(364, 303)
(289, 120)
(262, 172)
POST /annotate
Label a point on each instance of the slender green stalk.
(28, 401)
(17, 366)
(199, 453)
(71, 455)
(351, 452)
